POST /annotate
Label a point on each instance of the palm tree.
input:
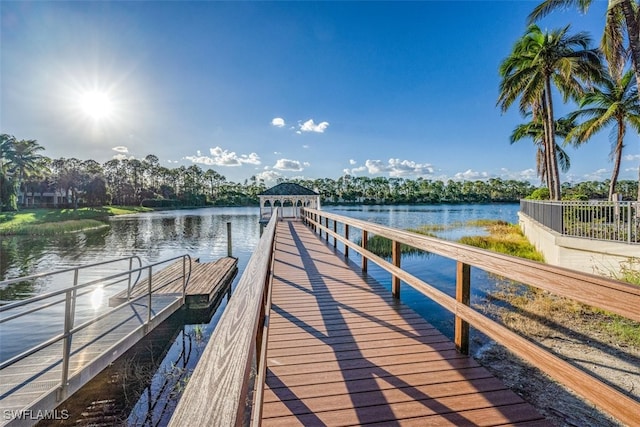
(537, 60)
(535, 131)
(622, 17)
(20, 160)
(7, 189)
(614, 102)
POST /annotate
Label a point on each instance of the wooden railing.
(226, 385)
(610, 295)
(220, 388)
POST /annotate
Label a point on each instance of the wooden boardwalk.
(342, 351)
(205, 282)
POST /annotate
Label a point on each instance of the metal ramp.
(35, 381)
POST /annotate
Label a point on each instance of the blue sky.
(281, 89)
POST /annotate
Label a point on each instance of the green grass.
(381, 246)
(508, 239)
(503, 238)
(629, 272)
(428, 229)
(55, 221)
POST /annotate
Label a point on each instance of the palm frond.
(548, 6)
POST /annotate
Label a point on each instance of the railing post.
(149, 297)
(346, 236)
(129, 280)
(73, 297)
(184, 279)
(229, 241)
(463, 291)
(395, 257)
(335, 230)
(66, 345)
(326, 225)
(629, 228)
(365, 239)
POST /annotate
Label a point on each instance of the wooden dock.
(205, 282)
(342, 351)
(309, 339)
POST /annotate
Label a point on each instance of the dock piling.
(229, 245)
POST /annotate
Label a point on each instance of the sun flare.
(96, 105)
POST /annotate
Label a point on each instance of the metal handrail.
(139, 270)
(616, 221)
(66, 270)
(71, 295)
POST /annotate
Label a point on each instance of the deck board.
(342, 351)
(205, 282)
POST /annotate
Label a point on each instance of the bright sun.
(96, 105)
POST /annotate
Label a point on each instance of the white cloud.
(632, 157)
(354, 171)
(597, 175)
(310, 126)
(289, 165)
(278, 122)
(352, 162)
(221, 157)
(121, 149)
(471, 175)
(305, 146)
(523, 175)
(394, 167)
(269, 176)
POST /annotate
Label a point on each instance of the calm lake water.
(201, 233)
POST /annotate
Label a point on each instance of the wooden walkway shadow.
(342, 351)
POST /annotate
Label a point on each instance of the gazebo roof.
(289, 189)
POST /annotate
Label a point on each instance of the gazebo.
(290, 198)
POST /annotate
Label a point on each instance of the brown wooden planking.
(324, 366)
(444, 379)
(603, 293)
(467, 410)
(316, 346)
(387, 392)
(204, 282)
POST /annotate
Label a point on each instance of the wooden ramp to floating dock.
(32, 384)
(342, 351)
(206, 280)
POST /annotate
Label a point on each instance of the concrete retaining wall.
(586, 255)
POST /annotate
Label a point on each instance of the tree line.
(25, 172)
(604, 82)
